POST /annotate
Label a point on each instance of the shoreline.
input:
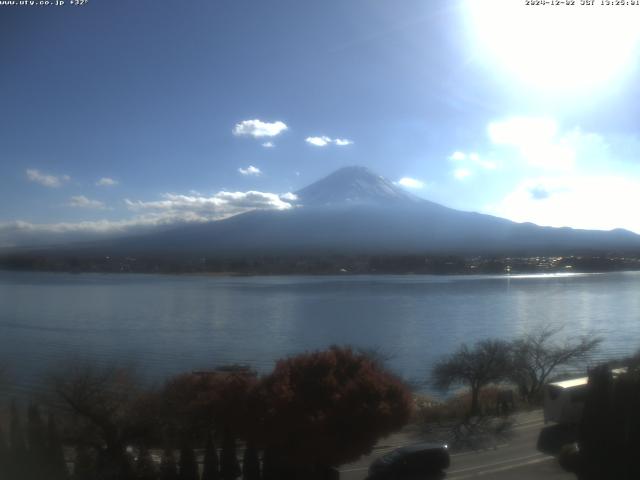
(231, 274)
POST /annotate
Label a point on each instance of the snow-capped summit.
(352, 185)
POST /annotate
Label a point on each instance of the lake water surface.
(169, 324)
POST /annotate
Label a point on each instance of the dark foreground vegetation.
(314, 411)
(609, 433)
(320, 264)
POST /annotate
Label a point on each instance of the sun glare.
(556, 48)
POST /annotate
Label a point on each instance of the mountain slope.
(354, 210)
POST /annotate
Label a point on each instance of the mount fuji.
(354, 210)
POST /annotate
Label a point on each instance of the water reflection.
(167, 324)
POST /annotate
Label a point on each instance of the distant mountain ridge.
(355, 211)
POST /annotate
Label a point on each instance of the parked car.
(424, 460)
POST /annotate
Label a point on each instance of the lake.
(169, 324)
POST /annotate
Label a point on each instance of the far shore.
(327, 264)
(231, 274)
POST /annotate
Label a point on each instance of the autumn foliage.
(329, 407)
(313, 411)
(195, 403)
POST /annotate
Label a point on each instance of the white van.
(564, 401)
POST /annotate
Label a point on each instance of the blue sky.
(121, 115)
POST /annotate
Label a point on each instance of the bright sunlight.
(563, 48)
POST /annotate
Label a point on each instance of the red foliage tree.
(186, 406)
(211, 468)
(216, 400)
(198, 402)
(327, 408)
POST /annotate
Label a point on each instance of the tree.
(103, 404)
(168, 467)
(229, 466)
(188, 464)
(18, 453)
(536, 356)
(56, 462)
(4, 456)
(199, 402)
(325, 408)
(4, 375)
(145, 468)
(487, 362)
(250, 463)
(234, 385)
(113, 466)
(211, 470)
(186, 409)
(37, 440)
(84, 464)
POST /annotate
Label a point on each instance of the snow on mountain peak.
(352, 185)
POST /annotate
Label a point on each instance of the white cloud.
(250, 170)
(268, 145)
(600, 202)
(409, 182)
(318, 141)
(257, 128)
(537, 140)
(461, 173)
(106, 182)
(80, 201)
(469, 161)
(522, 131)
(18, 233)
(47, 180)
(220, 205)
(487, 164)
(323, 141)
(557, 176)
(289, 197)
(171, 210)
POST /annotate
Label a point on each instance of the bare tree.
(103, 404)
(486, 362)
(536, 356)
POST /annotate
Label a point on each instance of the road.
(516, 458)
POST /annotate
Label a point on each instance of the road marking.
(353, 469)
(537, 423)
(503, 469)
(510, 460)
(482, 450)
(528, 425)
